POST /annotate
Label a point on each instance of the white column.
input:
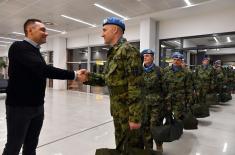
(59, 60)
(188, 57)
(149, 36)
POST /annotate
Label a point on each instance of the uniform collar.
(149, 68)
(119, 43)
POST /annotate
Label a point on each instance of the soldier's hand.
(82, 75)
(134, 126)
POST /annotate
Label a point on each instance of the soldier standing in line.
(153, 97)
(230, 78)
(204, 83)
(219, 78)
(177, 86)
(123, 76)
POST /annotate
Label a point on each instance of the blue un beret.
(177, 55)
(206, 58)
(217, 62)
(114, 21)
(147, 51)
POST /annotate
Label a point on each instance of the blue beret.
(147, 51)
(177, 55)
(114, 21)
(205, 58)
(218, 62)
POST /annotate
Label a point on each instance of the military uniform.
(219, 78)
(178, 89)
(153, 100)
(230, 78)
(204, 83)
(123, 76)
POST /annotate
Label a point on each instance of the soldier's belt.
(117, 90)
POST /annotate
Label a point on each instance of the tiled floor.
(78, 123)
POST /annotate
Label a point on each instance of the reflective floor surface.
(78, 123)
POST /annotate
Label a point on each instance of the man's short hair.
(29, 22)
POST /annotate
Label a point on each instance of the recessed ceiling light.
(217, 41)
(7, 42)
(188, 2)
(19, 33)
(48, 23)
(177, 42)
(54, 30)
(10, 38)
(111, 11)
(225, 147)
(229, 39)
(78, 20)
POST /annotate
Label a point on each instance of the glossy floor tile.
(78, 123)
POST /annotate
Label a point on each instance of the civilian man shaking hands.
(26, 89)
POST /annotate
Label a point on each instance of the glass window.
(77, 59)
(48, 57)
(195, 48)
(98, 59)
(4, 67)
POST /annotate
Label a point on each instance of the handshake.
(82, 75)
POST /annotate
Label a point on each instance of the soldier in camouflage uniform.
(152, 92)
(177, 86)
(123, 76)
(219, 78)
(203, 78)
(230, 78)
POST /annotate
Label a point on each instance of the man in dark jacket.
(26, 89)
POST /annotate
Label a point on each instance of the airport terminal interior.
(77, 116)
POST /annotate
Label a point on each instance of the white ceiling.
(13, 13)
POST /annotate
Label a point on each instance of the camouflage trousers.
(178, 109)
(121, 126)
(202, 96)
(152, 118)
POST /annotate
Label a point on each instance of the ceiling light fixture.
(54, 30)
(3, 45)
(188, 2)
(7, 42)
(104, 48)
(177, 42)
(18, 33)
(111, 11)
(78, 20)
(229, 39)
(10, 38)
(216, 39)
(225, 147)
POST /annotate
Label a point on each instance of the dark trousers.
(23, 128)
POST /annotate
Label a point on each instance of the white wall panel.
(207, 23)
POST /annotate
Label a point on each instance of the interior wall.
(94, 39)
(206, 23)
(3, 51)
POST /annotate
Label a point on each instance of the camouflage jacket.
(230, 75)
(152, 86)
(123, 76)
(219, 77)
(203, 78)
(177, 86)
